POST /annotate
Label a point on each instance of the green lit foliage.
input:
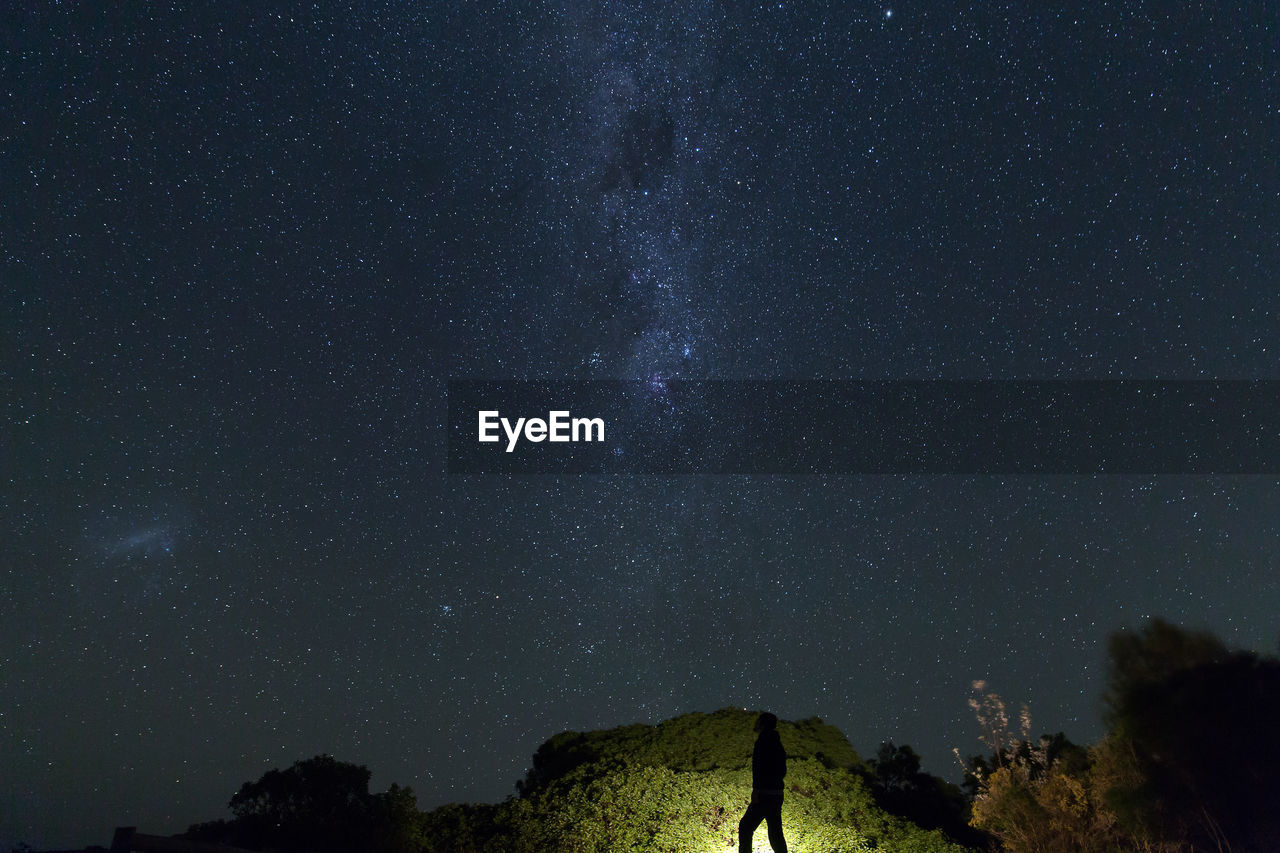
(692, 742)
(680, 787)
(460, 828)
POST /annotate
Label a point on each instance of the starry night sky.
(243, 247)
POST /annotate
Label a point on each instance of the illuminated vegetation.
(680, 787)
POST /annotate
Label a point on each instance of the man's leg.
(774, 819)
(747, 826)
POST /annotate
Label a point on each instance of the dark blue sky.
(242, 251)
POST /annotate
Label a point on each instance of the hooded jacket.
(768, 762)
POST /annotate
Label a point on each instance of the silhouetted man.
(768, 766)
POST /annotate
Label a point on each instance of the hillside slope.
(680, 786)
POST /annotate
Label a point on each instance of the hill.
(680, 786)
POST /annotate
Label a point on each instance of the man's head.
(766, 722)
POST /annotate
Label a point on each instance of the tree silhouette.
(902, 788)
(320, 805)
(1201, 722)
(1189, 763)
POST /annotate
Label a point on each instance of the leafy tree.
(396, 825)
(459, 828)
(1153, 655)
(1199, 724)
(903, 789)
(1188, 764)
(1038, 796)
(319, 805)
